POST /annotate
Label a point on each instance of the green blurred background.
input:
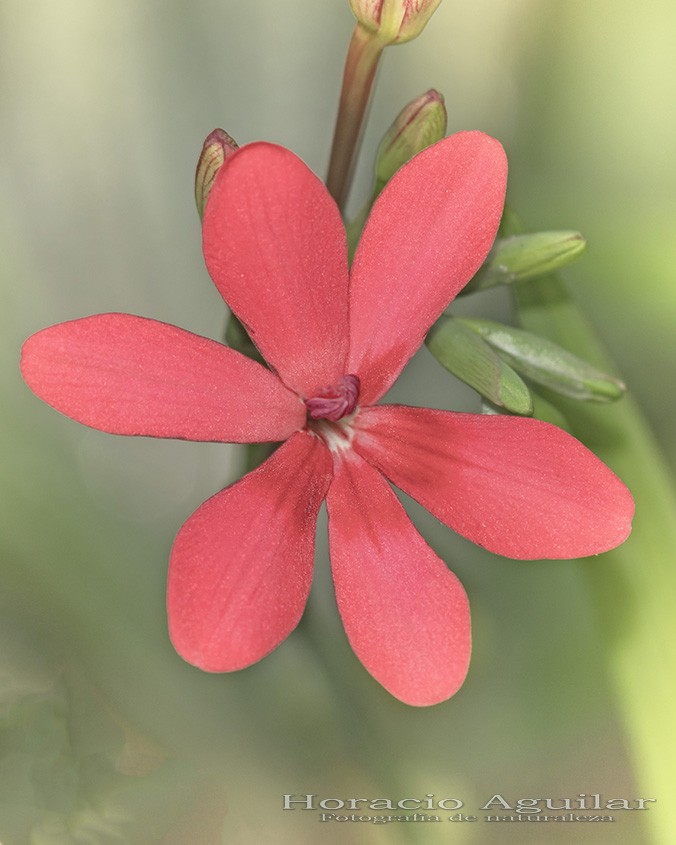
(106, 735)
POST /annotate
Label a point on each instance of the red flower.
(241, 565)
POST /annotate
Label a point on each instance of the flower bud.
(419, 124)
(546, 363)
(217, 148)
(465, 354)
(521, 257)
(394, 21)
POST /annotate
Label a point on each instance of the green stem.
(633, 586)
(359, 722)
(361, 63)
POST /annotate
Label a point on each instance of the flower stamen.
(335, 401)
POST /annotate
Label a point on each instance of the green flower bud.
(521, 257)
(463, 353)
(217, 148)
(394, 21)
(419, 124)
(546, 363)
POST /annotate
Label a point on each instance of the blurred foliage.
(70, 773)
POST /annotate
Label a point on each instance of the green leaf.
(547, 363)
(463, 353)
(519, 257)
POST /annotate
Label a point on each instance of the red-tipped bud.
(218, 147)
(418, 125)
(394, 21)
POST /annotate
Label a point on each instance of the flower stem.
(633, 586)
(359, 724)
(361, 63)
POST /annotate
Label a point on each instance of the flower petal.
(427, 235)
(520, 487)
(241, 565)
(405, 614)
(129, 375)
(274, 244)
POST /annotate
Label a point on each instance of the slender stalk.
(361, 63)
(359, 723)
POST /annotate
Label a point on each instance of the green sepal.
(547, 363)
(465, 354)
(519, 257)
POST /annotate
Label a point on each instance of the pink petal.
(241, 565)
(128, 375)
(427, 235)
(406, 616)
(274, 244)
(520, 487)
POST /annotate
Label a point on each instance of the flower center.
(335, 401)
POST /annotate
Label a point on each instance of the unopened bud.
(465, 354)
(521, 257)
(419, 124)
(217, 148)
(394, 21)
(546, 363)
